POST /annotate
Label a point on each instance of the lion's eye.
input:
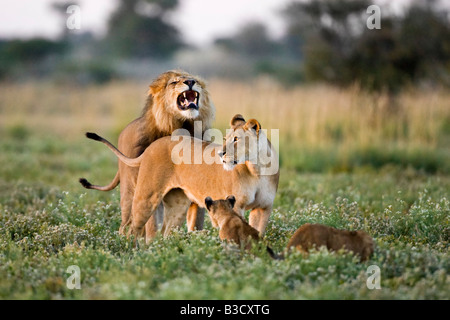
(174, 82)
(236, 139)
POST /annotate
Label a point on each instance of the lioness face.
(241, 143)
(183, 94)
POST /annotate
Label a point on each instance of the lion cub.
(310, 236)
(233, 228)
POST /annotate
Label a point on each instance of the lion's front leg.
(173, 218)
(259, 218)
(195, 217)
(175, 206)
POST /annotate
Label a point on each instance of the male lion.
(161, 170)
(310, 236)
(175, 100)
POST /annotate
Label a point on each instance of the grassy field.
(349, 160)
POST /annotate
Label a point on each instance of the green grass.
(348, 161)
(48, 223)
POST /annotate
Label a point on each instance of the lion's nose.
(190, 83)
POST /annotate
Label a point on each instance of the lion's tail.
(131, 162)
(108, 187)
(273, 255)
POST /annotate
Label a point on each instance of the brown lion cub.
(310, 236)
(233, 228)
(231, 225)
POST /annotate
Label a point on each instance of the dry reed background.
(334, 122)
(315, 115)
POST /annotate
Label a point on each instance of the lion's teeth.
(184, 94)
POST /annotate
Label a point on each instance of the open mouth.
(188, 100)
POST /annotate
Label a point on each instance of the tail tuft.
(93, 136)
(85, 183)
(273, 255)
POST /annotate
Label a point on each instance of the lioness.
(310, 236)
(175, 100)
(233, 227)
(161, 170)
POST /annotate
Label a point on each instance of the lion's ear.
(159, 83)
(153, 89)
(253, 124)
(208, 202)
(232, 200)
(236, 120)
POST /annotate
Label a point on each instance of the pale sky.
(199, 21)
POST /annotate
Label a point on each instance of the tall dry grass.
(69, 110)
(335, 121)
(323, 115)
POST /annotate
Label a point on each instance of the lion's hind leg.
(154, 223)
(144, 206)
(126, 201)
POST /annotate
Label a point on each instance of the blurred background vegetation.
(343, 96)
(323, 41)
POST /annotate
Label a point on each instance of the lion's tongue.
(190, 95)
(188, 100)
